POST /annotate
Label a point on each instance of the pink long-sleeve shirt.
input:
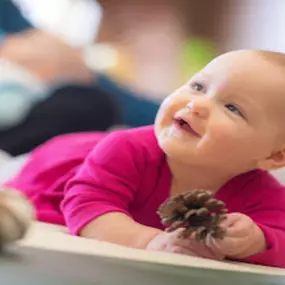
(73, 179)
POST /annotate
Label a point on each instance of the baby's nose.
(199, 107)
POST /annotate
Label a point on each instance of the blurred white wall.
(76, 21)
(256, 24)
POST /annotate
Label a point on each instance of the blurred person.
(49, 64)
(78, 23)
(45, 85)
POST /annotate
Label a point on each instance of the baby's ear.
(275, 161)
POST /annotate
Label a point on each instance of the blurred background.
(86, 65)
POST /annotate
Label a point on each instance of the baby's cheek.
(166, 111)
(222, 134)
(169, 107)
(223, 140)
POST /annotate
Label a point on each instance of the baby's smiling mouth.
(183, 125)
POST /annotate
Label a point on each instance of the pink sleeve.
(274, 255)
(268, 212)
(106, 182)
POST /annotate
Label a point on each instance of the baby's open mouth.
(184, 125)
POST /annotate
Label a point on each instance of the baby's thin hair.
(272, 56)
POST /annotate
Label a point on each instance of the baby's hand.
(171, 242)
(243, 237)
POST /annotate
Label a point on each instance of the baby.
(222, 131)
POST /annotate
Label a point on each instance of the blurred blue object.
(19, 91)
(11, 19)
(2, 36)
(136, 110)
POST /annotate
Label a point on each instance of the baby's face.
(228, 116)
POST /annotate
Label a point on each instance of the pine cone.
(196, 211)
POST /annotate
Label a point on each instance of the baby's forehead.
(247, 68)
(248, 75)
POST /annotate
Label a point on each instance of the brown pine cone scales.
(197, 211)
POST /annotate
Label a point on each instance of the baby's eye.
(234, 109)
(197, 86)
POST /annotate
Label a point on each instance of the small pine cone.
(197, 198)
(196, 211)
(16, 215)
(173, 210)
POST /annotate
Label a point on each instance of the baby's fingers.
(227, 246)
(237, 225)
(181, 250)
(201, 249)
(230, 220)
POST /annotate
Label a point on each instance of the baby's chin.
(175, 147)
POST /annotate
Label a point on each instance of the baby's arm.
(121, 229)
(97, 199)
(264, 203)
(272, 223)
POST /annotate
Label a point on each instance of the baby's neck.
(187, 177)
